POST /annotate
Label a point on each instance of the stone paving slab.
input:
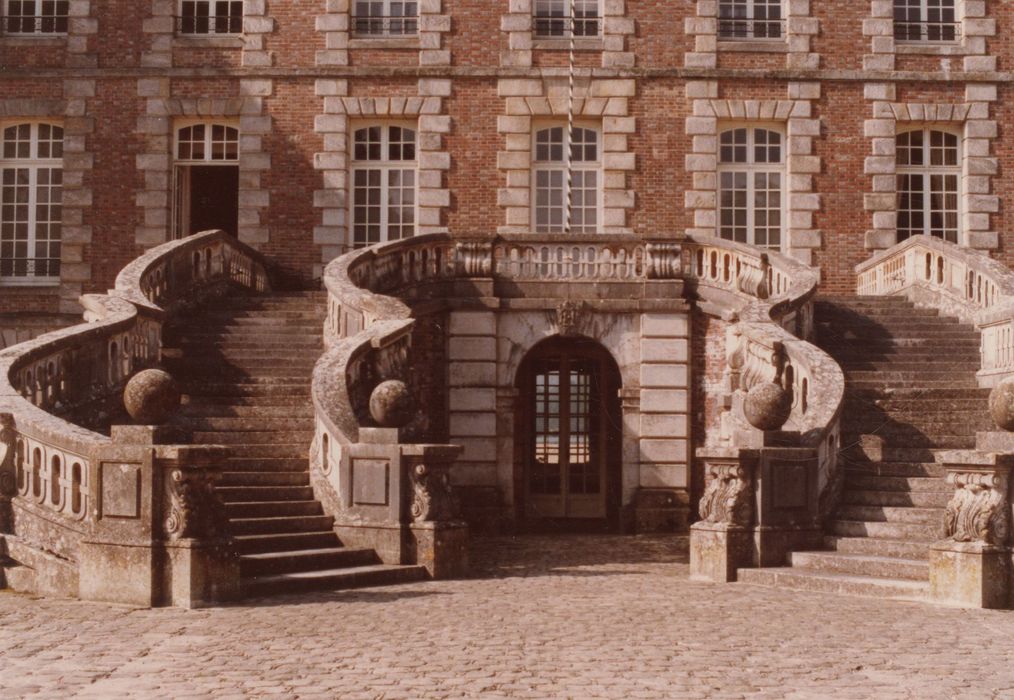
(543, 617)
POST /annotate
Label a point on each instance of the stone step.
(914, 532)
(254, 342)
(332, 579)
(254, 320)
(924, 394)
(826, 582)
(248, 313)
(266, 563)
(280, 358)
(905, 469)
(893, 366)
(901, 438)
(929, 425)
(261, 478)
(891, 514)
(272, 509)
(903, 406)
(861, 565)
(901, 549)
(914, 376)
(252, 437)
(928, 458)
(269, 336)
(202, 386)
(899, 311)
(257, 410)
(247, 424)
(282, 373)
(285, 542)
(233, 494)
(270, 401)
(230, 353)
(901, 499)
(259, 464)
(287, 449)
(875, 482)
(279, 525)
(876, 384)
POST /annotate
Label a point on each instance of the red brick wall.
(476, 43)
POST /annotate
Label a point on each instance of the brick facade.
(659, 81)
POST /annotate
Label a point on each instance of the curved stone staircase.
(245, 364)
(911, 393)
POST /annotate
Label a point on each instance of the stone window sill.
(41, 284)
(563, 44)
(930, 49)
(393, 42)
(33, 39)
(753, 46)
(203, 42)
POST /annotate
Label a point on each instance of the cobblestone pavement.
(577, 617)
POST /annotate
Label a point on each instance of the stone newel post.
(722, 541)
(971, 565)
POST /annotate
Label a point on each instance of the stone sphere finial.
(151, 397)
(767, 406)
(1001, 404)
(392, 404)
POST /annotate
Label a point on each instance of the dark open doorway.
(207, 197)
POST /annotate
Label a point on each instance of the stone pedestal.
(441, 547)
(970, 574)
(717, 550)
(118, 573)
(199, 574)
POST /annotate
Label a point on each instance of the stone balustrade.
(80, 496)
(960, 282)
(768, 491)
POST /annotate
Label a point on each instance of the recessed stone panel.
(121, 490)
(370, 482)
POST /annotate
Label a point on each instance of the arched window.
(383, 183)
(35, 16)
(385, 17)
(31, 195)
(550, 183)
(552, 18)
(928, 182)
(210, 17)
(207, 142)
(751, 184)
(750, 19)
(925, 20)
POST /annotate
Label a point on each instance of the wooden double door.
(569, 421)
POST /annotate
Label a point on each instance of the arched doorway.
(568, 433)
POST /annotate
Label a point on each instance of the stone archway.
(568, 436)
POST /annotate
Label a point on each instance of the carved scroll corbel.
(979, 510)
(728, 498)
(194, 510)
(432, 496)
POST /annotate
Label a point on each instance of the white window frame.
(206, 14)
(924, 23)
(385, 166)
(52, 24)
(742, 26)
(927, 171)
(577, 166)
(385, 24)
(752, 167)
(33, 164)
(559, 15)
(181, 166)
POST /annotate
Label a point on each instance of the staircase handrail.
(49, 463)
(769, 299)
(959, 282)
